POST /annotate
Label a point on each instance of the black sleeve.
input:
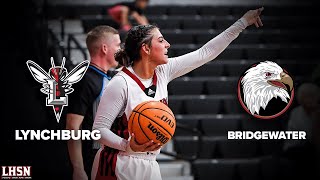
(84, 94)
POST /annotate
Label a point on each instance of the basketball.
(152, 120)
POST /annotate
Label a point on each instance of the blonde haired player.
(145, 77)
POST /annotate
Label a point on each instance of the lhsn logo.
(57, 82)
(16, 172)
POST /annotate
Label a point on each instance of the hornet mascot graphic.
(57, 82)
(263, 83)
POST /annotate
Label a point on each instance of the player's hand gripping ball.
(152, 120)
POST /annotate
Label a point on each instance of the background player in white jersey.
(145, 77)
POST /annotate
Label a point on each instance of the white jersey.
(126, 90)
(140, 91)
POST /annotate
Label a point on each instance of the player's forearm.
(218, 44)
(75, 154)
(188, 62)
(74, 122)
(108, 138)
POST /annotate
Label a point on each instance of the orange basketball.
(152, 120)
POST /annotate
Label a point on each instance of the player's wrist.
(78, 167)
(244, 21)
(128, 148)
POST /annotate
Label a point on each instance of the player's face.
(113, 47)
(159, 48)
(142, 3)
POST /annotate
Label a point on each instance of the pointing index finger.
(260, 10)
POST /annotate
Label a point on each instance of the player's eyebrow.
(161, 37)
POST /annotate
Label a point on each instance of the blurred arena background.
(204, 101)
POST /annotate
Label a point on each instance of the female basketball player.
(145, 77)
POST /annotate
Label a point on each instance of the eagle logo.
(57, 82)
(265, 90)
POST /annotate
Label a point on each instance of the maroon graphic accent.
(164, 101)
(137, 80)
(57, 73)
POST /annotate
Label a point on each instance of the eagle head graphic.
(262, 83)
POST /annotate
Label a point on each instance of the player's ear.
(104, 48)
(145, 48)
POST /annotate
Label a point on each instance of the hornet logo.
(265, 90)
(57, 82)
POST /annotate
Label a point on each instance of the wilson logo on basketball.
(160, 137)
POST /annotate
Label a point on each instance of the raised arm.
(181, 65)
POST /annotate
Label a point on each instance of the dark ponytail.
(122, 57)
(135, 38)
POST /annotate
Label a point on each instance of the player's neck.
(100, 63)
(143, 70)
